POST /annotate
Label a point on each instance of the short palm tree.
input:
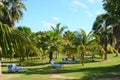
(88, 44)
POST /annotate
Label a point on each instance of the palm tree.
(68, 43)
(112, 7)
(11, 11)
(54, 41)
(103, 27)
(25, 30)
(12, 42)
(48, 42)
(0, 59)
(58, 29)
(88, 44)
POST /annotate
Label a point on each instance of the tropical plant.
(112, 7)
(69, 47)
(54, 43)
(11, 11)
(58, 29)
(103, 27)
(25, 30)
(12, 42)
(88, 44)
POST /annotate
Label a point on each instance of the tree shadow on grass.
(90, 73)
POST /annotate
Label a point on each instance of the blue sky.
(75, 14)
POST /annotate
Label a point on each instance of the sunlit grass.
(99, 68)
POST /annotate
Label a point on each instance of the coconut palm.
(11, 11)
(112, 7)
(12, 42)
(25, 30)
(54, 41)
(103, 27)
(48, 42)
(88, 44)
(58, 29)
(69, 47)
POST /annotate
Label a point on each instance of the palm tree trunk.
(50, 56)
(105, 55)
(3, 0)
(93, 56)
(0, 68)
(104, 44)
(82, 56)
(0, 60)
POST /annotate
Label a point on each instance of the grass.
(98, 69)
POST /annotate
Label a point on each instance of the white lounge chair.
(56, 65)
(16, 69)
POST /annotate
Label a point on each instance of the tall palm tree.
(112, 7)
(103, 27)
(11, 11)
(13, 42)
(58, 29)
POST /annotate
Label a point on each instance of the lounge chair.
(9, 68)
(66, 61)
(16, 69)
(56, 65)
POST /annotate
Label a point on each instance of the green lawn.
(97, 69)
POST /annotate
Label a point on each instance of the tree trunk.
(116, 33)
(50, 56)
(0, 61)
(93, 56)
(3, 0)
(0, 68)
(57, 54)
(82, 57)
(104, 44)
(105, 55)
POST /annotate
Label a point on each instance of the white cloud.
(99, 12)
(91, 1)
(78, 3)
(48, 24)
(56, 18)
(89, 13)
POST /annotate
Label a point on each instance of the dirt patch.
(61, 76)
(8, 76)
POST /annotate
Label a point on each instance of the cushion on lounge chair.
(16, 69)
(56, 65)
(9, 68)
(66, 61)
